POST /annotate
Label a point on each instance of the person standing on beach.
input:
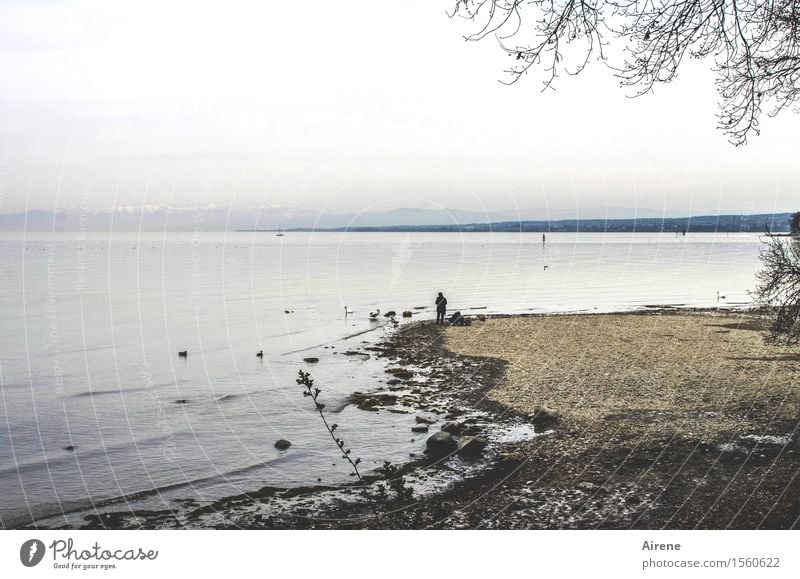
(441, 308)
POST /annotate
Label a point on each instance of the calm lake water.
(92, 327)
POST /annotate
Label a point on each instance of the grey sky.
(347, 107)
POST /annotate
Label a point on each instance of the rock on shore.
(440, 443)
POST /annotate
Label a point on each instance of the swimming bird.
(260, 354)
(374, 315)
(719, 297)
(348, 310)
(546, 266)
(395, 322)
(182, 354)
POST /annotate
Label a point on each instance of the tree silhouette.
(755, 45)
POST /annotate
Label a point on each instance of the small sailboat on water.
(280, 230)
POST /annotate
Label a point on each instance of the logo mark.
(31, 552)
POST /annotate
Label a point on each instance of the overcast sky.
(346, 106)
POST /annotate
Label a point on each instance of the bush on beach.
(779, 286)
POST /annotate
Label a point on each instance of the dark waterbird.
(260, 354)
(182, 354)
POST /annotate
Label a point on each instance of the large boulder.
(471, 445)
(440, 443)
(282, 444)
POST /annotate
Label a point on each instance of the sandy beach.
(668, 420)
(665, 419)
(641, 377)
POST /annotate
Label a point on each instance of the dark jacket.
(441, 304)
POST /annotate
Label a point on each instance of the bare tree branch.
(755, 46)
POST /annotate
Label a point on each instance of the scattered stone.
(311, 360)
(401, 373)
(471, 445)
(453, 414)
(282, 444)
(181, 401)
(367, 401)
(389, 314)
(587, 486)
(452, 427)
(423, 420)
(544, 416)
(440, 443)
(393, 382)
(70, 448)
(420, 428)
(407, 314)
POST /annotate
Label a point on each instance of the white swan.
(347, 310)
(374, 315)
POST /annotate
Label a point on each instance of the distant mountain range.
(212, 218)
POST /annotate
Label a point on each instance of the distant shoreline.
(274, 220)
(759, 223)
